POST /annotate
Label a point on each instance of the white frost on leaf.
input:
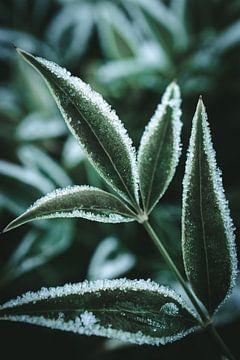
(216, 180)
(170, 309)
(100, 206)
(97, 102)
(171, 99)
(86, 322)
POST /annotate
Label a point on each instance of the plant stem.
(220, 343)
(205, 319)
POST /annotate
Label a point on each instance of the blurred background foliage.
(128, 50)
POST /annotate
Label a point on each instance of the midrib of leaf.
(202, 222)
(156, 162)
(89, 209)
(134, 203)
(104, 310)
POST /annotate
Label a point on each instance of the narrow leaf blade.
(136, 311)
(207, 231)
(76, 201)
(96, 127)
(160, 148)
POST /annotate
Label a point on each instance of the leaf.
(29, 176)
(136, 311)
(76, 201)
(70, 30)
(159, 149)
(35, 127)
(36, 249)
(207, 232)
(96, 127)
(33, 157)
(110, 260)
(116, 33)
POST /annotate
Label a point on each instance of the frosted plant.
(137, 311)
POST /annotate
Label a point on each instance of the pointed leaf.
(207, 232)
(96, 127)
(159, 150)
(76, 201)
(136, 311)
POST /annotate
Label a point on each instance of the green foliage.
(128, 50)
(207, 231)
(105, 141)
(94, 124)
(77, 201)
(136, 311)
(160, 149)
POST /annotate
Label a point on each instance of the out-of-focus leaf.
(72, 153)
(115, 42)
(32, 156)
(70, 30)
(159, 149)
(136, 311)
(95, 125)
(109, 261)
(207, 232)
(37, 249)
(26, 175)
(77, 201)
(23, 40)
(37, 127)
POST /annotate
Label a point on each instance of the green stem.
(220, 343)
(205, 319)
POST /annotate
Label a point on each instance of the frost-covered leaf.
(159, 149)
(109, 260)
(137, 311)
(96, 127)
(77, 201)
(207, 232)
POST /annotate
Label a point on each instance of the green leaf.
(136, 311)
(96, 127)
(76, 201)
(207, 232)
(159, 149)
